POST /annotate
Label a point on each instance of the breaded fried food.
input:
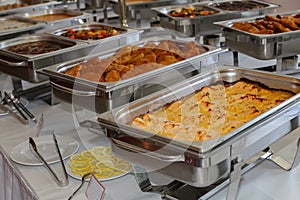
(270, 24)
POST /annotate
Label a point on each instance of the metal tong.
(11, 99)
(61, 183)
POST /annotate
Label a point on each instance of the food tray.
(29, 8)
(13, 27)
(204, 25)
(72, 17)
(103, 96)
(125, 34)
(203, 163)
(261, 46)
(23, 66)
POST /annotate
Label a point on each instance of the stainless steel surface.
(14, 32)
(61, 183)
(30, 8)
(261, 46)
(204, 160)
(104, 96)
(138, 9)
(126, 34)
(204, 25)
(24, 66)
(76, 17)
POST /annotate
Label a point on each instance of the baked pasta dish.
(133, 60)
(270, 24)
(212, 111)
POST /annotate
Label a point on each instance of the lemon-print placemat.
(99, 160)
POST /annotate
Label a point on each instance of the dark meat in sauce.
(34, 48)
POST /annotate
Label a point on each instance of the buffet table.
(34, 182)
(266, 181)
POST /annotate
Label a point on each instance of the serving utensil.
(61, 183)
(16, 99)
(9, 100)
(82, 182)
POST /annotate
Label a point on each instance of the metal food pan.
(261, 46)
(23, 66)
(15, 30)
(76, 17)
(190, 26)
(124, 33)
(195, 162)
(264, 6)
(29, 8)
(103, 96)
(204, 25)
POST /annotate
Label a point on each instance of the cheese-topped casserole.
(212, 111)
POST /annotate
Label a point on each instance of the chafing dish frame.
(108, 95)
(136, 10)
(231, 150)
(204, 25)
(25, 66)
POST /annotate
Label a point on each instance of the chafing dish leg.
(284, 164)
(235, 58)
(145, 185)
(235, 175)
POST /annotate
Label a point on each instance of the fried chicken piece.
(289, 23)
(74, 71)
(166, 59)
(112, 76)
(279, 28)
(272, 18)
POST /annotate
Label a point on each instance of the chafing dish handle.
(73, 91)
(13, 64)
(158, 156)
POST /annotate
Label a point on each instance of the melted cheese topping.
(211, 112)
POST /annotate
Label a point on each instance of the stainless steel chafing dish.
(103, 96)
(204, 25)
(13, 27)
(139, 7)
(72, 17)
(29, 8)
(261, 46)
(24, 66)
(201, 164)
(125, 36)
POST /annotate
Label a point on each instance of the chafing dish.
(103, 96)
(69, 17)
(125, 36)
(204, 25)
(13, 27)
(139, 7)
(201, 164)
(23, 66)
(261, 46)
(28, 8)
